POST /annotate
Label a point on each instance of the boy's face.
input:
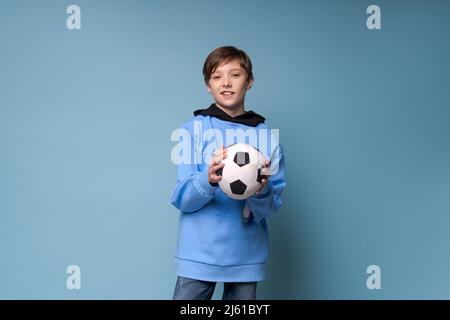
(228, 85)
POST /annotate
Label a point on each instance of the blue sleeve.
(269, 200)
(192, 191)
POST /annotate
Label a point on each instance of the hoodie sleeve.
(192, 191)
(269, 200)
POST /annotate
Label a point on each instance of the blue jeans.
(191, 289)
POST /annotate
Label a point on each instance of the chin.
(228, 104)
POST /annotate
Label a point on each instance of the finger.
(219, 156)
(221, 151)
(217, 167)
(265, 171)
(218, 159)
(215, 178)
(214, 169)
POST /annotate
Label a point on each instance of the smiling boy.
(221, 239)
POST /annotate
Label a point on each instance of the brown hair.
(223, 55)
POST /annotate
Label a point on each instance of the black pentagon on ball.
(241, 158)
(238, 187)
(219, 171)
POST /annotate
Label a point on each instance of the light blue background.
(86, 118)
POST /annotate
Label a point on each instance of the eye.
(216, 77)
(236, 75)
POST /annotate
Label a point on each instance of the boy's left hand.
(265, 171)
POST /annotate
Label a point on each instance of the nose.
(226, 82)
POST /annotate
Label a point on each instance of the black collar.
(249, 118)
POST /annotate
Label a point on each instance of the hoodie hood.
(249, 118)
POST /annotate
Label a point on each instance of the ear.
(250, 83)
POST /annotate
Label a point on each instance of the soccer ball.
(242, 173)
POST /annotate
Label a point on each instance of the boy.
(222, 239)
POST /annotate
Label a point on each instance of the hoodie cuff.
(203, 184)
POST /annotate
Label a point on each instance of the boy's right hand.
(216, 164)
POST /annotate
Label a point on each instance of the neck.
(232, 112)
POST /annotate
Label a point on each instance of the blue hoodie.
(221, 239)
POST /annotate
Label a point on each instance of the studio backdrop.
(91, 91)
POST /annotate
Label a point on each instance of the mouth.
(227, 93)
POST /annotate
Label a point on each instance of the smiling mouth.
(227, 93)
